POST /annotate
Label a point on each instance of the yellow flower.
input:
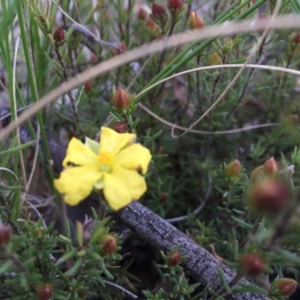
(112, 165)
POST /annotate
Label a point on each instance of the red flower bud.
(286, 286)
(195, 21)
(151, 24)
(252, 264)
(88, 86)
(5, 234)
(122, 48)
(233, 169)
(157, 10)
(120, 99)
(293, 119)
(142, 13)
(163, 197)
(109, 244)
(44, 291)
(269, 196)
(72, 134)
(174, 258)
(296, 38)
(175, 4)
(270, 166)
(121, 127)
(59, 35)
(290, 121)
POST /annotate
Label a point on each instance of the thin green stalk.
(295, 6)
(8, 66)
(31, 76)
(182, 58)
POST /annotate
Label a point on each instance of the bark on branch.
(199, 264)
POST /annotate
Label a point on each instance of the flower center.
(105, 160)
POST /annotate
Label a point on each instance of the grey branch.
(199, 263)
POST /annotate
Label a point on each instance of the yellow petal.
(134, 157)
(113, 142)
(79, 154)
(76, 183)
(123, 186)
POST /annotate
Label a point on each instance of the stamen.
(105, 160)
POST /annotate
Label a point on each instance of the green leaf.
(248, 288)
(5, 267)
(66, 256)
(223, 280)
(16, 149)
(242, 223)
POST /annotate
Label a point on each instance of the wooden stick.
(199, 263)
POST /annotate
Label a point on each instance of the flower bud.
(233, 169)
(142, 14)
(269, 196)
(157, 10)
(40, 233)
(151, 24)
(72, 134)
(174, 258)
(175, 4)
(88, 86)
(121, 127)
(286, 286)
(122, 48)
(296, 38)
(257, 174)
(195, 21)
(59, 35)
(293, 119)
(270, 167)
(44, 291)
(214, 59)
(120, 99)
(290, 121)
(252, 264)
(5, 234)
(109, 244)
(163, 197)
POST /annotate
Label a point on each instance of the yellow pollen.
(105, 158)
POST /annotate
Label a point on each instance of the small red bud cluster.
(88, 86)
(175, 4)
(195, 21)
(286, 286)
(121, 127)
(157, 10)
(142, 14)
(163, 197)
(174, 258)
(5, 234)
(252, 264)
(109, 244)
(44, 291)
(59, 36)
(120, 99)
(233, 169)
(296, 38)
(269, 196)
(269, 168)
